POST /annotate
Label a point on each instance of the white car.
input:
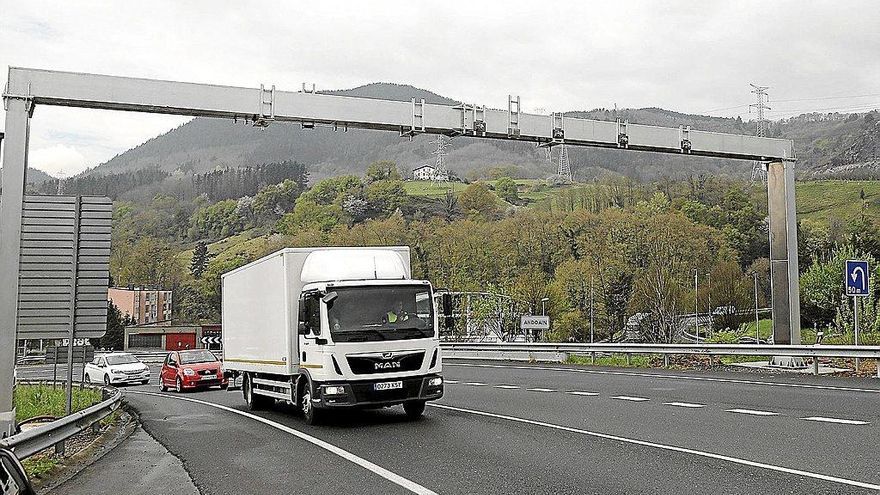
(117, 368)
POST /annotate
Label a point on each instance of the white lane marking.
(360, 461)
(585, 394)
(672, 377)
(507, 387)
(475, 384)
(450, 381)
(631, 399)
(753, 412)
(633, 441)
(540, 390)
(836, 420)
(684, 404)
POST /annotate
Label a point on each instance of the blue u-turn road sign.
(856, 278)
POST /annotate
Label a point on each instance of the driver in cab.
(396, 315)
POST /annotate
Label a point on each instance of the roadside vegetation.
(33, 401)
(628, 250)
(45, 400)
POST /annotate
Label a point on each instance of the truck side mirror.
(13, 479)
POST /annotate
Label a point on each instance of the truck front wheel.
(309, 412)
(414, 408)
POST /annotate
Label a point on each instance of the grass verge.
(45, 400)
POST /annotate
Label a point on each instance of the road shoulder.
(140, 464)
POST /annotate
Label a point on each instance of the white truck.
(328, 328)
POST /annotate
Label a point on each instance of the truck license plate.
(388, 385)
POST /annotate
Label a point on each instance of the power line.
(828, 98)
(816, 98)
(850, 109)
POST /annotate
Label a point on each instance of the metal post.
(14, 165)
(696, 307)
(72, 333)
(82, 377)
(784, 287)
(757, 326)
(709, 307)
(592, 331)
(856, 327)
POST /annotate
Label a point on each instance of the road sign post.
(857, 282)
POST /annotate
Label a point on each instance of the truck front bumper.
(365, 393)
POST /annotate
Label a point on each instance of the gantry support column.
(15, 145)
(784, 280)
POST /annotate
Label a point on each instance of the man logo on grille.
(387, 365)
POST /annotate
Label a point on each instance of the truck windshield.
(394, 312)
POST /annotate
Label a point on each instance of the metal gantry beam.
(43, 87)
(27, 88)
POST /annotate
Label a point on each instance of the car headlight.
(435, 382)
(334, 390)
(188, 372)
(115, 371)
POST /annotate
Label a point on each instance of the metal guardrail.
(31, 441)
(820, 351)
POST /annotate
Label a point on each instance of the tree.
(114, 339)
(507, 189)
(148, 262)
(192, 304)
(382, 170)
(199, 259)
(385, 196)
(450, 206)
(273, 201)
(823, 295)
(478, 200)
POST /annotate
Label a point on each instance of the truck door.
(310, 314)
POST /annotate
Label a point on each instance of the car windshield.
(121, 359)
(193, 357)
(393, 312)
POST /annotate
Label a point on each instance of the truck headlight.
(333, 390)
(188, 372)
(435, 382)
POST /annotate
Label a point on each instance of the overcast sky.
(688, 56)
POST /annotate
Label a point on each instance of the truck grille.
(364, 365)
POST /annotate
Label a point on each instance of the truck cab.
(372, 344)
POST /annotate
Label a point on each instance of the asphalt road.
(508, 428)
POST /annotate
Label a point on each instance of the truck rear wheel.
(254, 401)
(414, 408)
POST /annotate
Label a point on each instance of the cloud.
(58, 160)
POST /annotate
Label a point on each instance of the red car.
(186, 370)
